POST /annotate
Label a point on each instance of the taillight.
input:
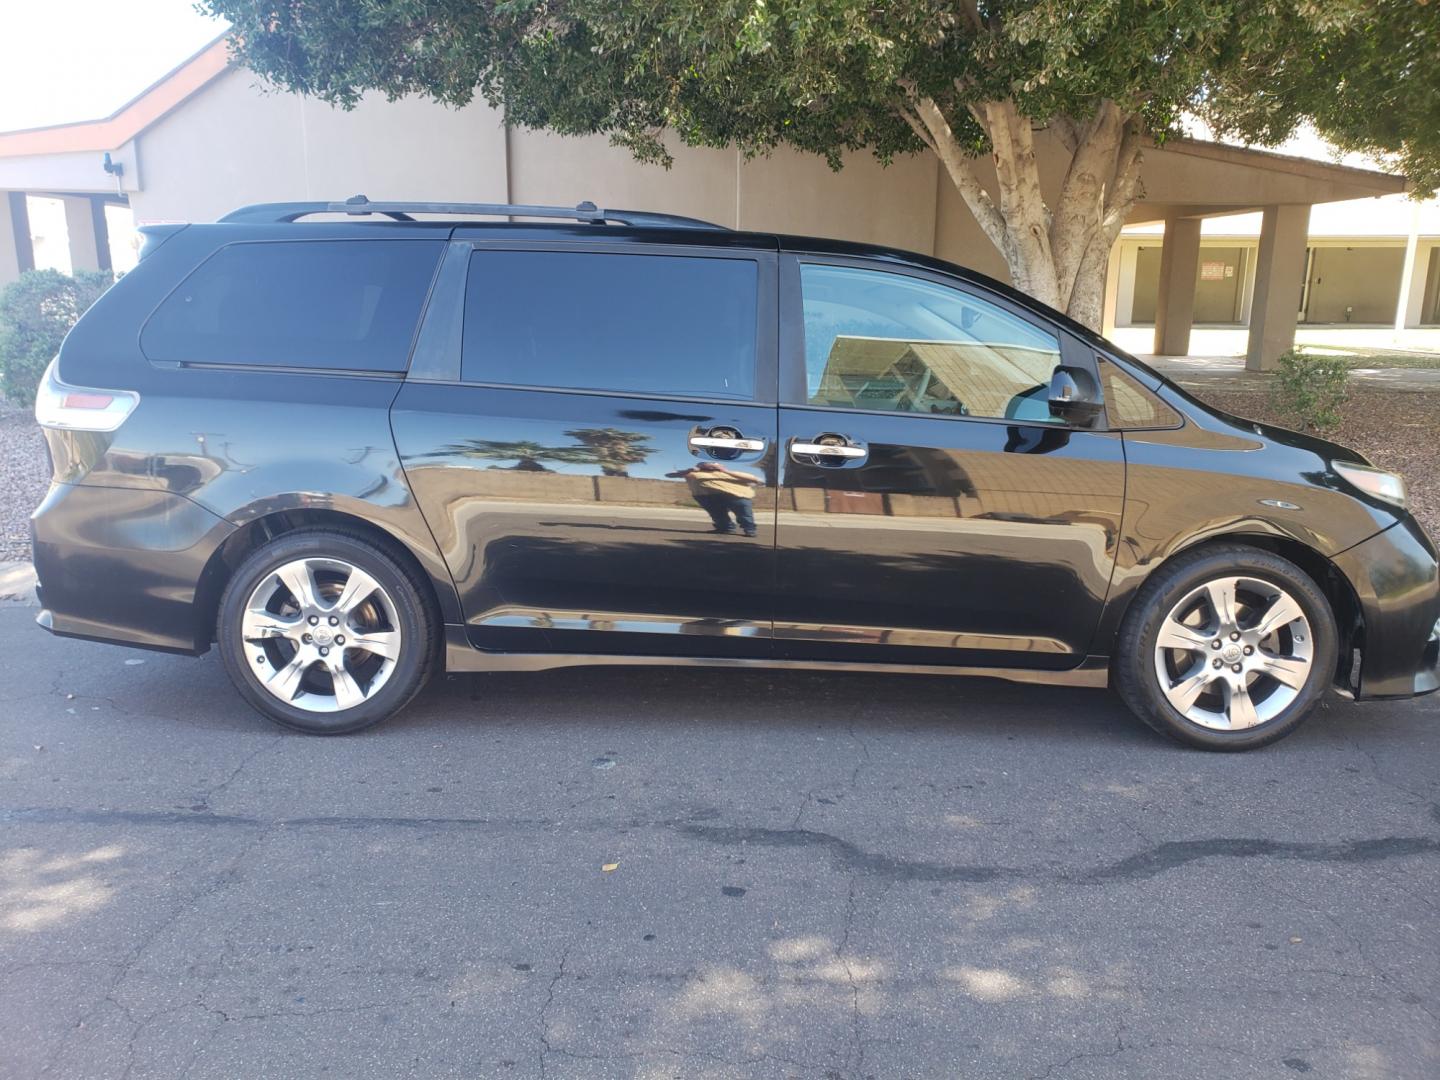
(80, 408)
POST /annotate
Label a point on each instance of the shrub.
(1311, 390)
(36, 312)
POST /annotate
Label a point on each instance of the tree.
(963, 78)
(37, 310)
(528, 456)
(612, 449)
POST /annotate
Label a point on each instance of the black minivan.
(356, 450)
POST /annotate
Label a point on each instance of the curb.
(17, 584)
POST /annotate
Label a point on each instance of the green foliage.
(36, 312)
(1366, 78)
(828, 76)
(1311, 390)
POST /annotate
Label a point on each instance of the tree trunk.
(1056, 253)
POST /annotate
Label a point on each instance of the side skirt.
(461, 656)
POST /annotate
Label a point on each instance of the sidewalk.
(1228, 373)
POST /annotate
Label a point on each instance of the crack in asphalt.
(846, 855)
(1110, 1052)
(192, 900)
(542, 1023)
(857, 1022)
(205, 796)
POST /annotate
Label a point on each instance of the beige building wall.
(1354, 284)
(232, 145)
(1430, 301)
(1355, 281)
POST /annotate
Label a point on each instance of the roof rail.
(359, 206)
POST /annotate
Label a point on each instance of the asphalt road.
(854, 876)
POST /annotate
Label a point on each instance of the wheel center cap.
(322, 636)
(1230, 654)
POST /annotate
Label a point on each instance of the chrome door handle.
(714, 442)
(823, 450)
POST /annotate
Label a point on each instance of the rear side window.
(343, 304)
(652, 324)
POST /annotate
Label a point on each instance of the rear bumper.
(124, 565)
(1397, 581)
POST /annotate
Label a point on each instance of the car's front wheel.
(1227, 648)
(325, 632)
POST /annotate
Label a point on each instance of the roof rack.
(359, 206)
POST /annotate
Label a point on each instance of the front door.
(932, 510)
(601, 476)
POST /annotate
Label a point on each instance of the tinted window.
(1130, 405)
(655, 324)
(316, 304)
(875, 340)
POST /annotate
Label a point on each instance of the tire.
(271, 637)
(1285, 663)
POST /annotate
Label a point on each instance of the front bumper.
(124, 565)
(1397, 581)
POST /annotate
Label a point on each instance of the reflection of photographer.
(722, 492)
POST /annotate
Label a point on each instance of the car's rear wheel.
(1228, 648)
(326, 632)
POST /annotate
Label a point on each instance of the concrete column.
(80, 227)
(1175, 303)
(1412, 284)
(1125, 284)
(1279, 279)
(17, 253)
(1112, 292)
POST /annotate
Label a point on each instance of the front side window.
(339, 304)
(877, 340)
(649, 324)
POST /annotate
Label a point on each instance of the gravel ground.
(24, 476)
(1397, 431)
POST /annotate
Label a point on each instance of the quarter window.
(877, 340)
(342, 304)
(1130, 405)
(651, 324)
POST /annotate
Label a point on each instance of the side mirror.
(1074, 396)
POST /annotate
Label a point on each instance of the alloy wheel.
(1234, 653)
(321, 635)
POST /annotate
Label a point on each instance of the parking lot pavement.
(813, 876)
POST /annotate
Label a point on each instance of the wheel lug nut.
(1249, 649)
(326, 652)
(1215, 644)
(314, 620)
(1234, 667)
(305, 638)
(336, 622)
(340, 639)
(1216, 662)
(1235, 635)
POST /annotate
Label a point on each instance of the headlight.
(1377, 482)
